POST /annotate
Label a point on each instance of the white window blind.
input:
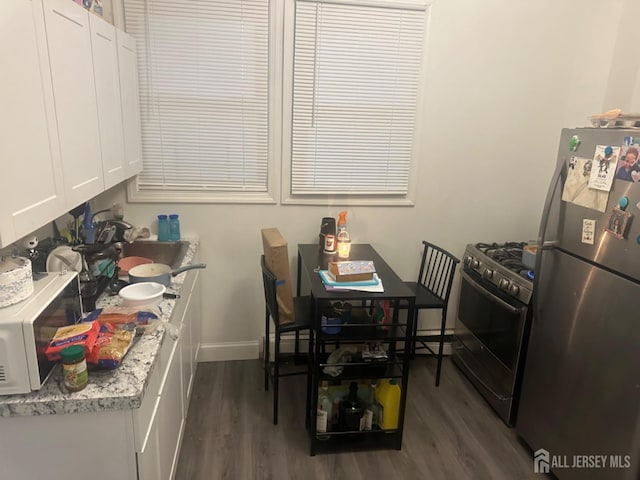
(356, 73)
(204, 93)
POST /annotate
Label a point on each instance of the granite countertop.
(119, 389)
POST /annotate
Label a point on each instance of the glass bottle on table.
(325, 410)
(375, 407)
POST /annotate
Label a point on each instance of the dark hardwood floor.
(450, 432)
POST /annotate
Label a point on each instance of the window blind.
(356, 74)
(204, 93)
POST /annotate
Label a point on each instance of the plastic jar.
(163, 228)
(174, 227)
(74, 368)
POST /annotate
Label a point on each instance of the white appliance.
(26, 328)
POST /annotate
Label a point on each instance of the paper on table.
(362, 288)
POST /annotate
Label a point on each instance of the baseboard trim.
(220, 352)
(252, 350)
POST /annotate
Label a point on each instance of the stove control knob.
(504, 284)
(514, 290)
(468, 260)
(488, 274)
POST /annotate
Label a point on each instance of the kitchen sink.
(169, 253)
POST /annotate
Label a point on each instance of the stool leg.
(414, 336)
(276, 376)
(441, 346)
(266, 354)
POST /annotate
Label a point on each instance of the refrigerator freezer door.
(581, 386)
(562, 224)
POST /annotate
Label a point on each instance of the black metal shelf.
(365, 333)
(358, 324)
(375, 439)
(363, 370)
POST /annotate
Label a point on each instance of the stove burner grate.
(508, 254)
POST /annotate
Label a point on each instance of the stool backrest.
(437, 270)
(270, 283)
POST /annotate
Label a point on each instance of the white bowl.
(143, 294)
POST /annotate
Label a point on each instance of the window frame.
(288, 198)
(270, 196)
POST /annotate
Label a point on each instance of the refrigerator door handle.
(546, 211)
(510, 308)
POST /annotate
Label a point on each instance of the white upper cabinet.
(130, 102)
(70, 58)
(69, 111)
(31, 181)
(107, 81)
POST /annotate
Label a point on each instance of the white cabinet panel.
(170, 418)
(107, 81)
(70, 58)
(130, 102)
(31, 180)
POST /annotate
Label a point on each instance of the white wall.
(504, 76)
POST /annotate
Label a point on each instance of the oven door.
(488, 341)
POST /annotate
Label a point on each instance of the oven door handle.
(507, 306)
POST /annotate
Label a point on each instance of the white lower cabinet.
(142, 444)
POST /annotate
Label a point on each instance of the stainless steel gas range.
(493, 323)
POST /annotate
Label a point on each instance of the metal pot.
(158, 272)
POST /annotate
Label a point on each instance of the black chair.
(432, 292)
(301, 321)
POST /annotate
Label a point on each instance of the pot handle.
(188, 267)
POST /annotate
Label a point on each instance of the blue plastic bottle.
(174, 227)
(163, 228)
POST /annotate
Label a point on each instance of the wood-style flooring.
(450, 432)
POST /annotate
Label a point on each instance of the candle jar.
(344, 244)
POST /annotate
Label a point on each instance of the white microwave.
(27, 327)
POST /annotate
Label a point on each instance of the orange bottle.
(342, 221)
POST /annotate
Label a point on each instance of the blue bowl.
(331, 325)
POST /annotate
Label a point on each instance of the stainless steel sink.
(169, 253)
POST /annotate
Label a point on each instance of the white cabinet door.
(170, 417)
(130, 102)
(149, 458)
(107, 79)
(31, 180)
(70, 58)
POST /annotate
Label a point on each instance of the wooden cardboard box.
(352, 271)
(276, 256)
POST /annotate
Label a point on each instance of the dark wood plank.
(450, 432)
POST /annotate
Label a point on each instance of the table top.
(312, 258)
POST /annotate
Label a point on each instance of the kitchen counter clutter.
(120, 389)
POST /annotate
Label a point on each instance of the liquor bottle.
(351, 410)
(374, 407)
(325, 408)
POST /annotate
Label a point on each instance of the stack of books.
(353, 275)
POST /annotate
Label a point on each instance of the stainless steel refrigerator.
(581, 385)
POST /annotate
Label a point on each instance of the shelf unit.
(359, 328)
